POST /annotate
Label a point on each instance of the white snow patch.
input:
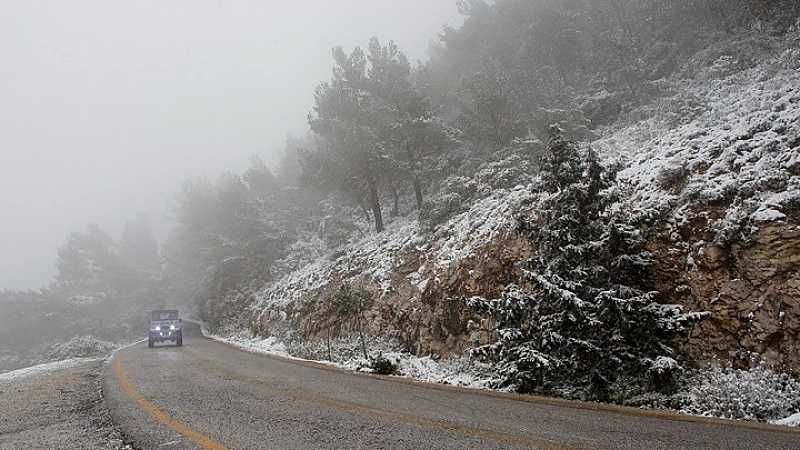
(767, 215)
(791, 421)
(42, 369)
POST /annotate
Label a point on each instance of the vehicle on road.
(165, 325)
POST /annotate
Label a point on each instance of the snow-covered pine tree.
(581, 318)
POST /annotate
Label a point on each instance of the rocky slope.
(723, 188)
(412, 274)
(714, 165)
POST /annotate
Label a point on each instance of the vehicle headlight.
(172, 327)
(158, 327)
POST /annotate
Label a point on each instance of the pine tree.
(345, 115)
(584, 317)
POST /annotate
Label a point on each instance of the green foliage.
(350, 303)
(138, 249)
(86, 260)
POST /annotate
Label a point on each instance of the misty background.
(108, 107)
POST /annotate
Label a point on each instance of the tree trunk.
(396, 201)
(415, 177)
(328, 333)
(361, 335)
(364, 209)
(418, 192)
(375, 202)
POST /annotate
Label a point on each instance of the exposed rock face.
(422, 315)
(751, 289)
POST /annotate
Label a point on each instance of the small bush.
(755, 394)
(81, 347)
(383, 366)
(456, 194)
(673, 178)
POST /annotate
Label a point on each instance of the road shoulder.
(56, 405)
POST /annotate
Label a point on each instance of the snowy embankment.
(376, 256)
(42, 369)
(729, 141)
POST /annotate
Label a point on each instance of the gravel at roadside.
(56, 406)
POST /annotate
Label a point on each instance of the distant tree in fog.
(86, 260)
(258, 177)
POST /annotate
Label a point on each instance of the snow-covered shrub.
(81, 347)
(673, 178)
(505, 173)
(664, 373)
(755, 394)
(337, 230)
(453, 199)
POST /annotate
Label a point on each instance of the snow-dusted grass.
(82, 347)
(458, 370)
(42, 369)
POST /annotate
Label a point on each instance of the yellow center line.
(198, 438)
(441, 425)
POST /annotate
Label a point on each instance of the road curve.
(212, 396)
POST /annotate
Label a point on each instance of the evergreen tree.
(409, 128)
(584, 317)
(345, 115)
(86, 261)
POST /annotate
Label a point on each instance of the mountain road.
(210, 395)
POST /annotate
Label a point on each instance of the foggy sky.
(106, 107)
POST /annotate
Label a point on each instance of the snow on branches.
(581, 318)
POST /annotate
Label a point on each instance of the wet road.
(210, 395)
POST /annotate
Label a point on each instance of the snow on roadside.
(42, 369)
(459, 371)
(791, 421)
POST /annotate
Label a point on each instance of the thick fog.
(107, 107)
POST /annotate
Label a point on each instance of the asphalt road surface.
(210, 395)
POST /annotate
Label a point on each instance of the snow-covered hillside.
(735, 146)
(714, 167)
(376, 257)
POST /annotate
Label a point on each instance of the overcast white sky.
(107, 106)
